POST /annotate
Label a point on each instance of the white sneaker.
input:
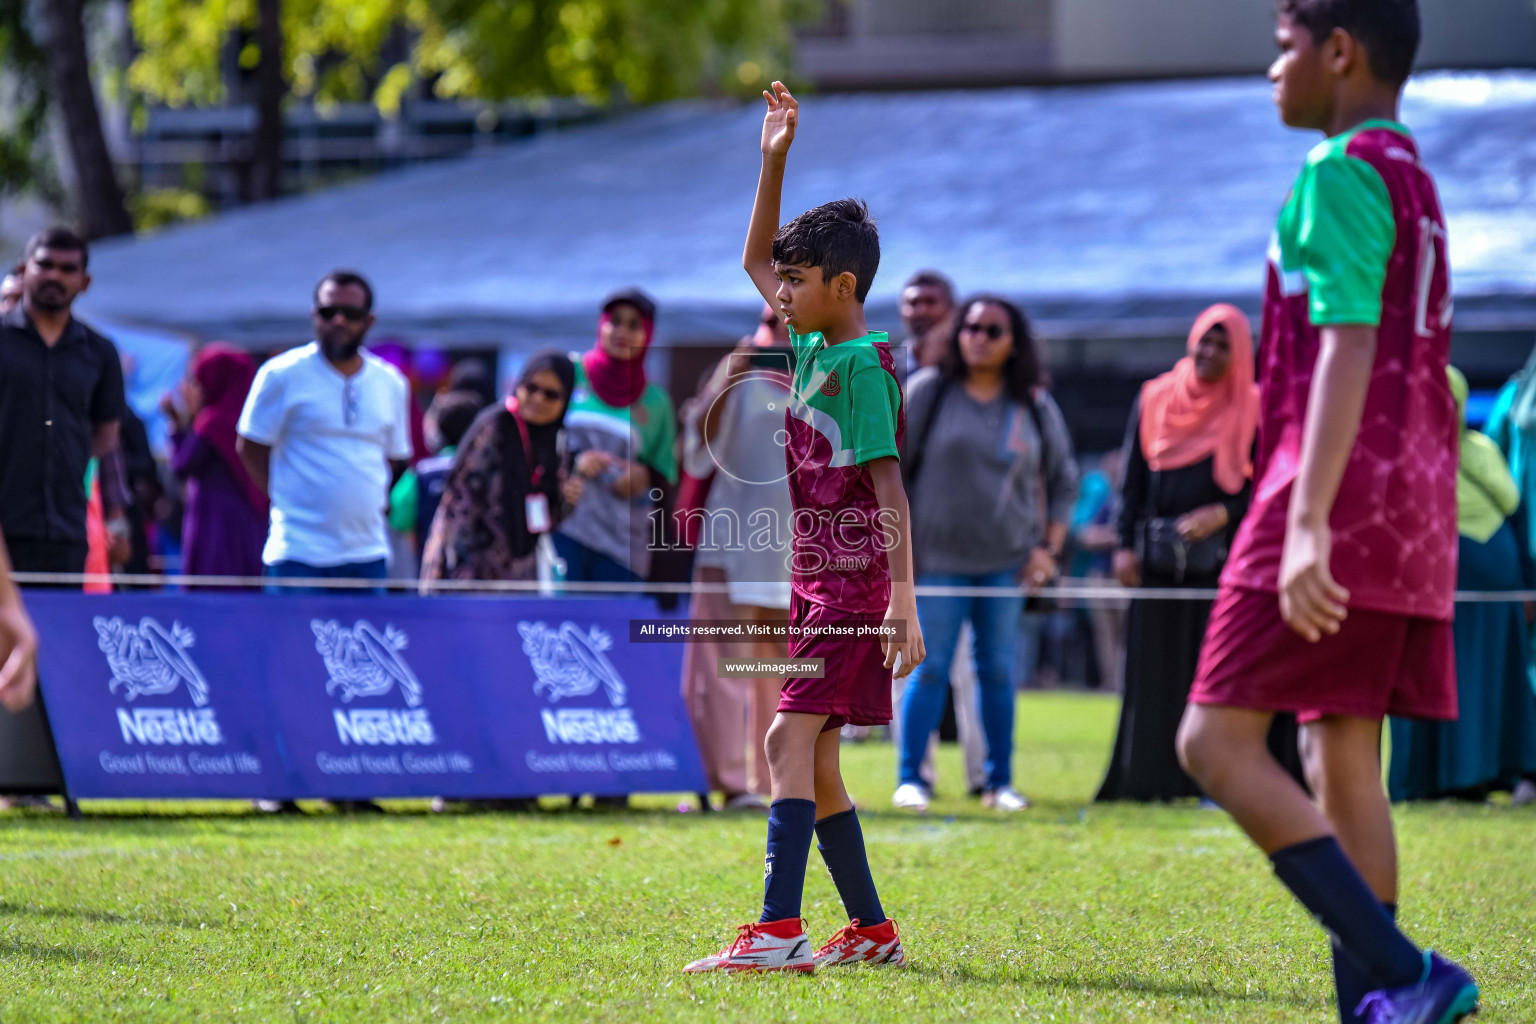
(1525, 793)
(763, 946)
(909, 796)
(1005, 798)
(746, 802)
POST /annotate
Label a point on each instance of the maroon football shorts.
(856, 686)
(1377, 664)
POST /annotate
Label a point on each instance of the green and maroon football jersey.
(1362, 240)
(845, 412)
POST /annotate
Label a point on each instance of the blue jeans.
(292, 570)
(996, 622)
(586, 565)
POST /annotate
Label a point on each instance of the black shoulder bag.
(914, 459)
(1162, 551)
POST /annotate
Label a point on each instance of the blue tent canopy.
(1114, 211)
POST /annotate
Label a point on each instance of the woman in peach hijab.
(1188, 459)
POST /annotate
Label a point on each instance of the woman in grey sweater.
(992, 482)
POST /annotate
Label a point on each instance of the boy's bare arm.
(18, 642)
(778, 132)
(892, 496)
(1311, 601)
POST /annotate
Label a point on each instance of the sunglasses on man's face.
(550, 394)
(353, 313)
(992, 331)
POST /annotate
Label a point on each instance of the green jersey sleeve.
(1346, 236)
(874, 402)
(658, 435)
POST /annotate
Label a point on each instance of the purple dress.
(222, 534)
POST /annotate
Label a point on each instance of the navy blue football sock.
(1350, 980)
(791, 824)
(1328, 885)
(841, 843)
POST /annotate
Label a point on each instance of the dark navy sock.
(1350, 980)
(791, 824)
(841, 843)
(1328, 885)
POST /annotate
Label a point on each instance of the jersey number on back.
(1432, 238)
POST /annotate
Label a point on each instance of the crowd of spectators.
(317, 465)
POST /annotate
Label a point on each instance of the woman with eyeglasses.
(504, 489)
(992, 482)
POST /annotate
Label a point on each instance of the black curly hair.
(838, 237)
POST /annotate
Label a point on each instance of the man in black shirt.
(61, 397)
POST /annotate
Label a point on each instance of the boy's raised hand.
(779, 123)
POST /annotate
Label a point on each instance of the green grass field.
(1067, 912)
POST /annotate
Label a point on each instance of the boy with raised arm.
(1337, 598)
(851, 564)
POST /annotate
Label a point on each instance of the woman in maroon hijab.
(225, 524)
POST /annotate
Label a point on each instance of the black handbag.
(1163, 552)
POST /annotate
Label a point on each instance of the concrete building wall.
(1133, 38)
(895, 44)
(1478, 33)
(880, 44)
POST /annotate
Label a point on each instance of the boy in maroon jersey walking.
(1337, 598)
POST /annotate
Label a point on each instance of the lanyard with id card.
(535, 503)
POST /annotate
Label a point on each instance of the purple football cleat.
(1444, 995)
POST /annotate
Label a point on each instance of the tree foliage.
(647, 49)
(45, 67)
(99, 206)
(388, 50)
(23, 107)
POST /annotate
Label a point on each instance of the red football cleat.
(764, 946)
(877, 946)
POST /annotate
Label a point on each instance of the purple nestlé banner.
(253, 695)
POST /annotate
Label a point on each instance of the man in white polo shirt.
(325, 432)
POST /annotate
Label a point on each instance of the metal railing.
(1082, 590)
